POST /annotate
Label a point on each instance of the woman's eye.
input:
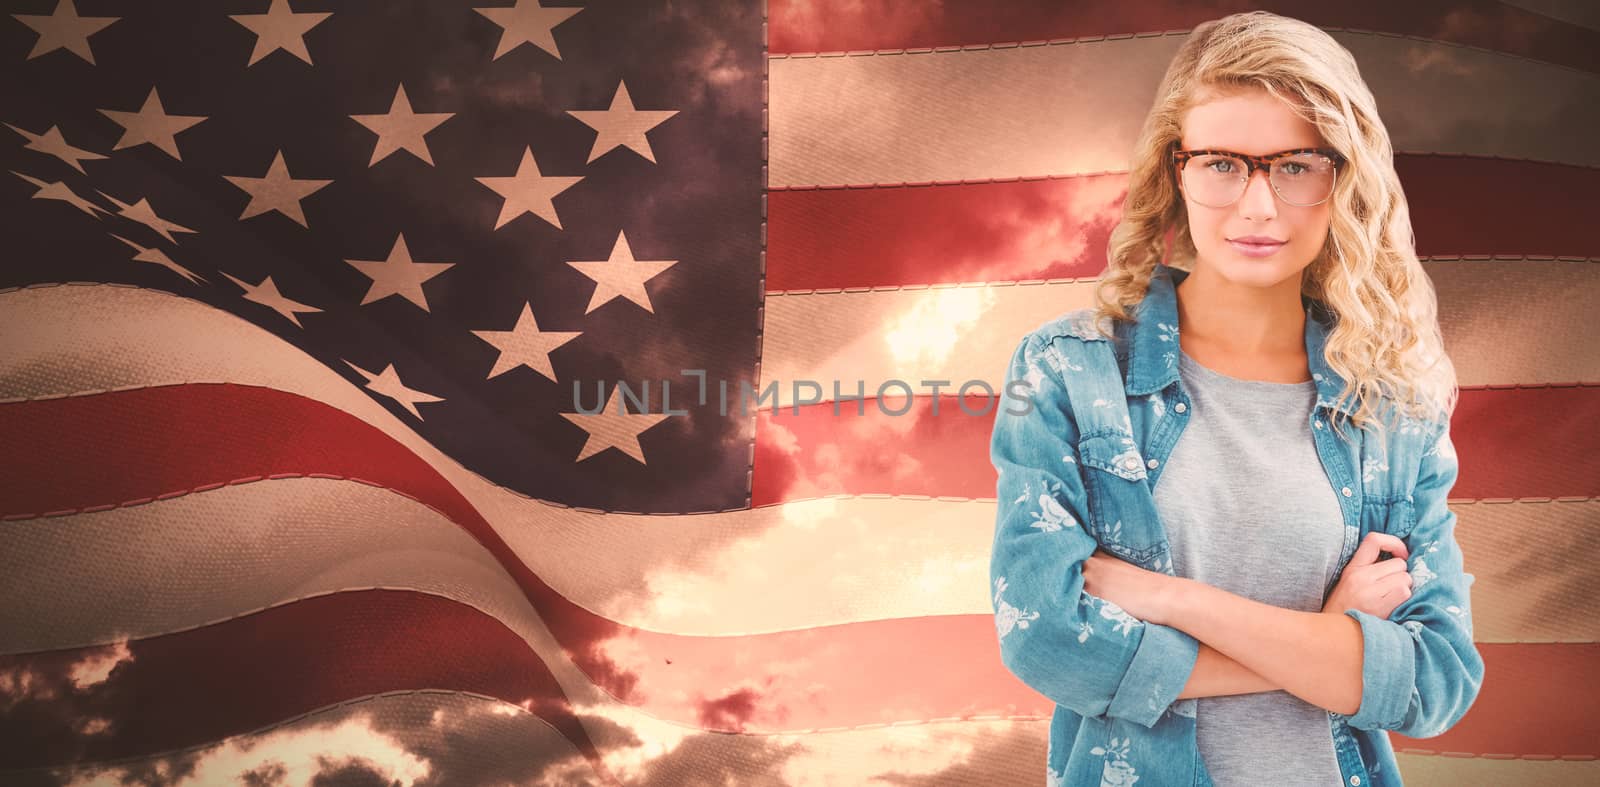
(1294, 168)
(1222, 166)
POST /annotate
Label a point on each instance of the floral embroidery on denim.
(1034, 376)
(1118, 772)
(1442, 446)
(1421, 574)
(1008, 617)
(1114, 533)
(1051, 517)
(1370, 469)
(1124, 622)
(1158, 408)
(1081, 323)
(1410, 425)
(1169, 333)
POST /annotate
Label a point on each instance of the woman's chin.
(1256, 271)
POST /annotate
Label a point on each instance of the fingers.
(1394, 594)
(1400, 579)
(1376, 542)
(1385, 568)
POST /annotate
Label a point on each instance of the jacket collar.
(1153, 350)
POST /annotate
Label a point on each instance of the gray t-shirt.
(1248, 508)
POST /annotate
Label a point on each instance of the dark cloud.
(349, 773)
(729, 712)
(267, 774)
(716, 759)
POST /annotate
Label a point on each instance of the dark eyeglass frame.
(1252, 163)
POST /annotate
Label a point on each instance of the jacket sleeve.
(1420, 670)
(1082, 652)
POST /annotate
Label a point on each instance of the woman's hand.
(1141, 593)
(1372, 586)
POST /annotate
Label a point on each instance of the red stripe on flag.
(841, 25)
(111, 449)
(897, 236)
(198, 686)
(815, 453)
(832, 238)
(1529, 705)
(1513, 442)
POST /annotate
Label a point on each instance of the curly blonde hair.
(1385, 340)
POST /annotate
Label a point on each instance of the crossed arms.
(1148, 639)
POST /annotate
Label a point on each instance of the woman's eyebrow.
(1261, 155)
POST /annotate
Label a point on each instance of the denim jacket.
(1076, 471)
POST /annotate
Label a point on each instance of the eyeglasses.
(1216, 178)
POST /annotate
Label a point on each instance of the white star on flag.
(143, 213)
(387, 383)
(621, 275)
(526, 345)
(527, 23)
(57, 190)
(64, 29)
(280, 28)
(402, 129)
(52, 143)
(277, 190)
(614, 427)
(159, 257)
(622, 125)
(398, 275)
(151, 124)
(266, 293)
(529, 191)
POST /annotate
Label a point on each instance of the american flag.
(308, 307)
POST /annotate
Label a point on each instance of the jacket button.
(1355, 781)
(1345, 491)
(1180, 407)
(1152, 463)
(1131, 464)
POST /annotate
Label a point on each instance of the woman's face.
(1254, 123)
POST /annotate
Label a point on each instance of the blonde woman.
(1250, 574)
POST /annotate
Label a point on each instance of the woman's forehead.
(1254, 123)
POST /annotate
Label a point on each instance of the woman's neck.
(1239, 318)
(1251, 333)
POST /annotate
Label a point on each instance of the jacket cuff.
(1388, 672)
(1160, 668)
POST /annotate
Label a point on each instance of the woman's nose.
(1258, 198)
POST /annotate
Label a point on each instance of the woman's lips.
(1255, 249)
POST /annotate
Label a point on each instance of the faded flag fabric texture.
(314, 464)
